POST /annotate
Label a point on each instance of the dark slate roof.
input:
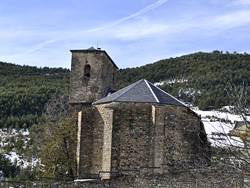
(141, 91)
(239, 124)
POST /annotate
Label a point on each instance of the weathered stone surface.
(219, 177)
(132, 135)
(93, 74)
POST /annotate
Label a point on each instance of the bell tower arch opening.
(87, 71)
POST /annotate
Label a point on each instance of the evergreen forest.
(199, 79)
(24, 90)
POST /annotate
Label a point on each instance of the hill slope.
(24, 90)
(198, 78)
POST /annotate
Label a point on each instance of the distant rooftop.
(141, 91)
(239, 124)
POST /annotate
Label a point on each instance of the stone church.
(134, 127)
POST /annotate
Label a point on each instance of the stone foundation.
(222, 177)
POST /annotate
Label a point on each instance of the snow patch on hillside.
(12, 155)
(170, 81)
(190, 92)
(217, 125)
(20, 161)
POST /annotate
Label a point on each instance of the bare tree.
(56, 108)
(238, 96)
(231, 140)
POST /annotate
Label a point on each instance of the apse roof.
(141, 91)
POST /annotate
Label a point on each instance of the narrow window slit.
(87, 71)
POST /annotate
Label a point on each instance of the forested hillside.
(198, 78)
(24, 90)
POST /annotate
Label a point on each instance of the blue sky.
(133, 32)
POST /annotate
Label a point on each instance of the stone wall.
(124, 136)
(92, 83)
(132, 136)
(91, 141)
(95, 140)
(202, 178)
(182, 141)
(85, 141)
(146, 134)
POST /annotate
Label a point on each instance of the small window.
(87, 71)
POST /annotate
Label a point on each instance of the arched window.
(87, 71)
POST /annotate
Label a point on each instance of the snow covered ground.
(20, 161)
(12, 155)
(218, 124)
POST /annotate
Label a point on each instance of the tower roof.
(92, 49)
(141, 91)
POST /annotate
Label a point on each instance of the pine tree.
(55, 151)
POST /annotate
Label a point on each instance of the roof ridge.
(141, 91)
(91, 48)
(135, 84)
(156, 98)
(167, 94)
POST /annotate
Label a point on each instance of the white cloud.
(142, 11)
(240, 2)
(40, 45)
(138, 30)
(232, 20)
(166, 29)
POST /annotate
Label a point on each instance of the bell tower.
(93, 75)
